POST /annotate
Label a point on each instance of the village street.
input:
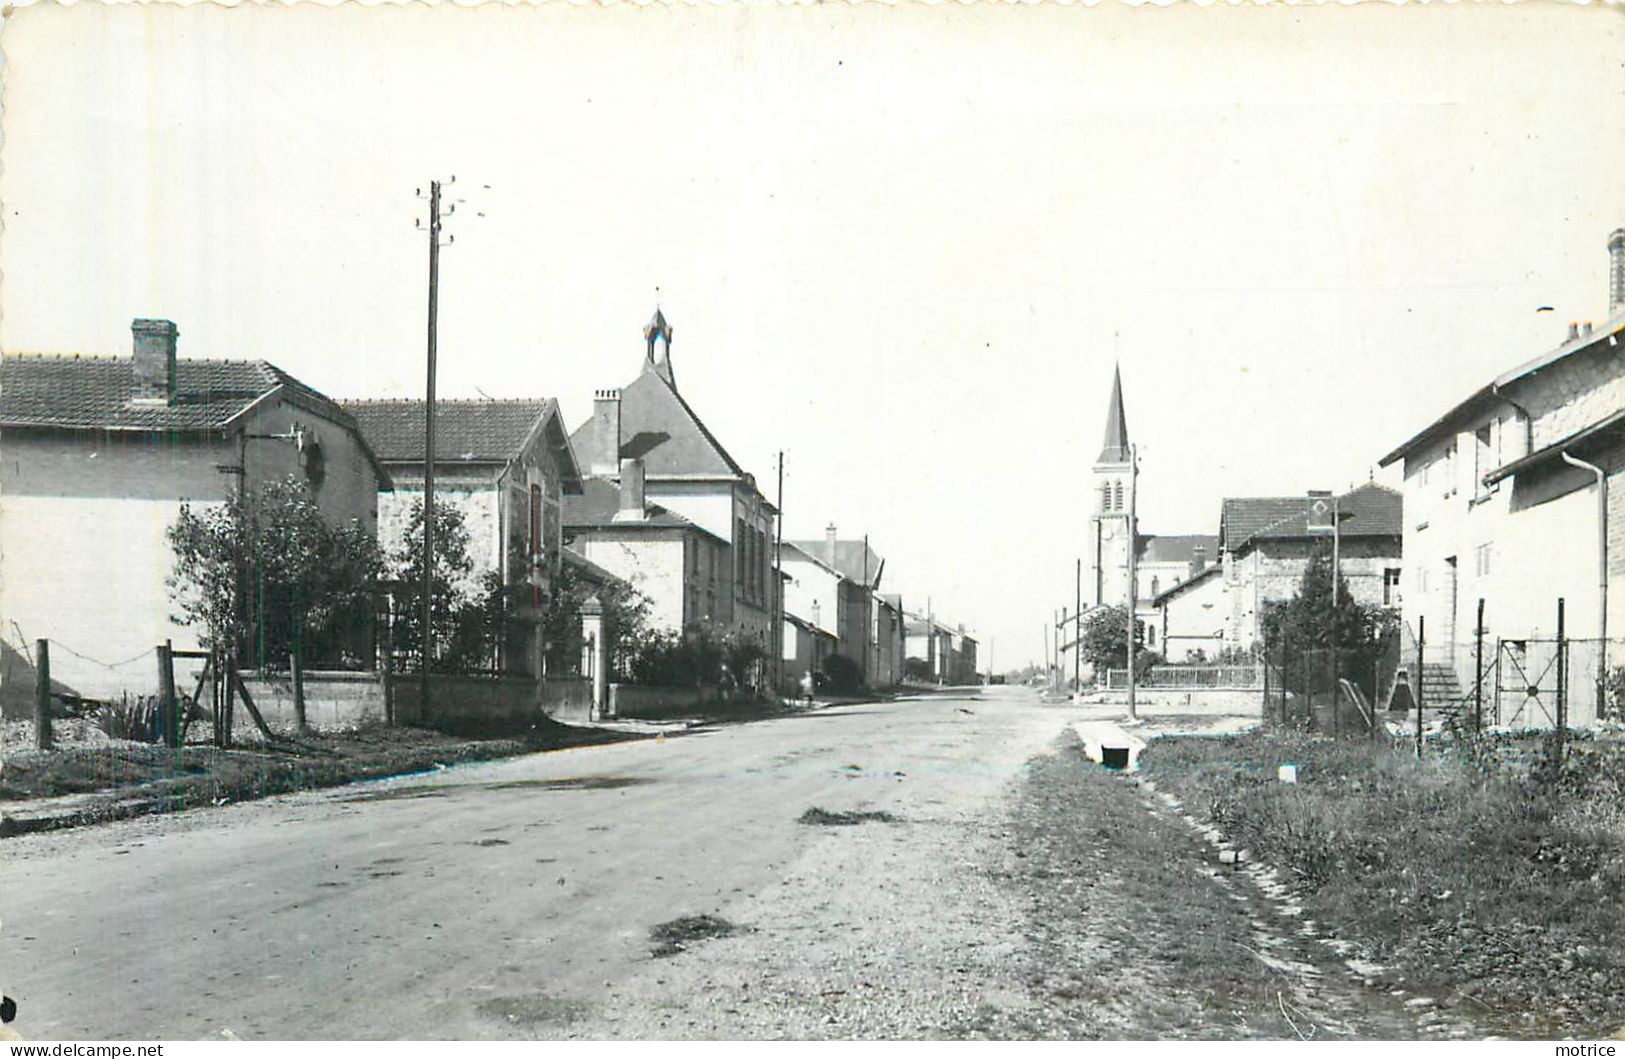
(517, 898)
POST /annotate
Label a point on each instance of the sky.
(905, 244)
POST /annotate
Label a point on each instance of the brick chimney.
(154, 350)
(1198, 559)
(1616, 270)
(632, 507)
(604, 457)
(829, 544)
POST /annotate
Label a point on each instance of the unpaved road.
(515, 899)
(502, 899)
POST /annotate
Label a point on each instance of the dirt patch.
(826, 818)
(675, 936)
(573, 783)
(532, 1010)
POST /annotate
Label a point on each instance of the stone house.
(1191, 616)
(681, 568)
(863, 568)
(804, 647)
(887, 641)
(506, 465)
(826, 599)
(1267, 542)
(1514, 496)
(101, 453)
(929, 649)
(688, 474)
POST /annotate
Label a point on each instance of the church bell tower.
(1110, 532)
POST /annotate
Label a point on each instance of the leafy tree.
(465, 611)
(1105, 631)
(744, 656)
(1309, 623)
(626, 617)
(266, 574)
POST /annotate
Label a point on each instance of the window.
(1481, 560)
(1156, 587)
(1117, 496)
(1390, 587)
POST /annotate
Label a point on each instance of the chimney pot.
(153, 351)
(1574, 330)
(632, 502)
(1198, 559)
(605, 455)
(829, 544)
(1585, 328)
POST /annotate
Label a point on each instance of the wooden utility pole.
(1077, 630)
(427, 583)
(1133, 545)
(1337, 638)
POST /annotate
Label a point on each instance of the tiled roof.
(1490, 392)
(850, 559)
(658, 425)
(589, 570)
(486, 431)
(94, 393)
(1163, 548)
(595, 508)
(1369, 511)
(1183, 586)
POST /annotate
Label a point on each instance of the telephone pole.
(427, 586)
(1133, 546)
(1077, 632)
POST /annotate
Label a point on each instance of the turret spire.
(659, 330)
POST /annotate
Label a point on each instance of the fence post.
(1309, 689)
(1421, 639)
(1478, 671)
(168, 708)
(42, 694)
(1562, 680)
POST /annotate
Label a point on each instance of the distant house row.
(101, 453)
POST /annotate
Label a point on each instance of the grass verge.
(125, 781)
(1490, 870)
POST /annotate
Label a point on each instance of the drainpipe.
(1602, 571)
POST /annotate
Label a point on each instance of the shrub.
(842, 674)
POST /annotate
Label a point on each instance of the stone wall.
(333, 700)
(633, 700)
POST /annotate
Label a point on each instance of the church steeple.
(658, 330)
(1115, 447)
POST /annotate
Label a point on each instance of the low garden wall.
(481, 701)
(635, 700)
(337, 700)
(333, 699)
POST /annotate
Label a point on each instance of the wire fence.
(1537, 682)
